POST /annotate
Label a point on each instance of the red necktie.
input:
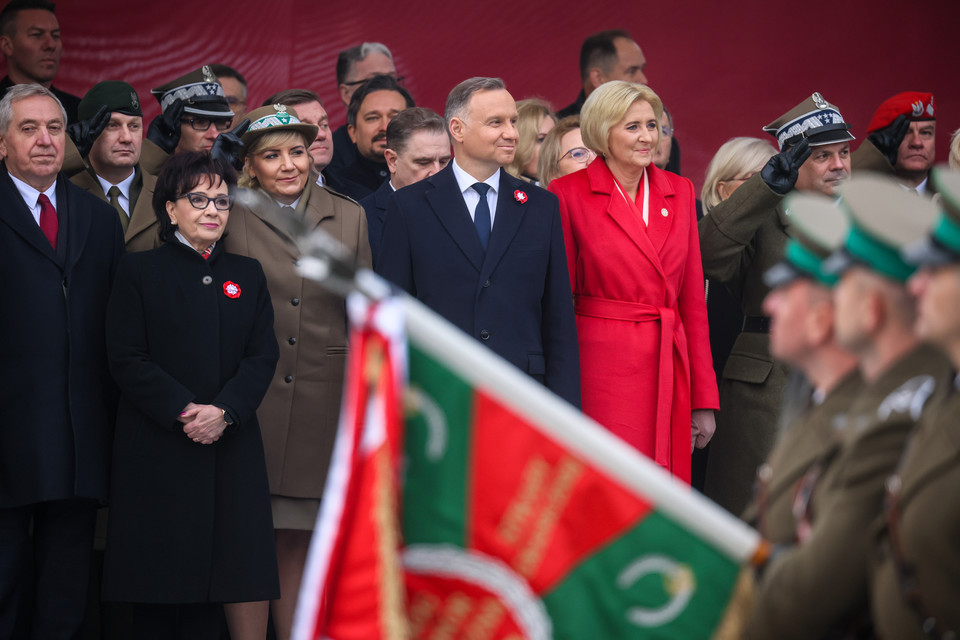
(48, 219)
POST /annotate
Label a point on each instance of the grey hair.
(19, 92)
(347, 58)
(460, 96)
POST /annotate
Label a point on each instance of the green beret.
(115, 94)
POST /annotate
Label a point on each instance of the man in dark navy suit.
(418, 146)
(59, 247)
(484, 249)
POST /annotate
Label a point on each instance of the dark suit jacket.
(56, 398)
(375, 206)
(344, 150)
(515, 297)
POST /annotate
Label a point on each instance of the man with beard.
(371, 109)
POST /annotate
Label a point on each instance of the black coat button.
(484, 334)
(295, 301)
(486, 284)
(207, 280)
(288, 379)
(292, 341)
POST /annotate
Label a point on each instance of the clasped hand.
(202, 423)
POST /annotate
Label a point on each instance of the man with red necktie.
(59, 247)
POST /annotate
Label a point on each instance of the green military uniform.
(141, 233)
(811, 439)
(916, 578)
(821, 586)
(740, 239)
(140, 222)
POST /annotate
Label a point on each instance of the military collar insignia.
(908, 398)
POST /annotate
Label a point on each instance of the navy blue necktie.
(481, 217)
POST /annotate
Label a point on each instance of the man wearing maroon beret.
(900, 140)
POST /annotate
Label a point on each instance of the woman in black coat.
(191, 345)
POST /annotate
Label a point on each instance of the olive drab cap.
(199, 90)
(942, 245)
(884, 219)
(277, 118)
(116, 95)
(815, 119)
(819, 228)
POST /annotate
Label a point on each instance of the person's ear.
(391, 157)
(456, 129)
(171, 212)
(352, 132)
(596, 77)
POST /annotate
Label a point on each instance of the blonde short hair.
(607, 105)
(530, 116)
(267, 140)
(548, 165)
(955, 151)
(735, 158)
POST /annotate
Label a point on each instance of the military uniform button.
(207, 280)
(292, 341)
(295, 301)
(288, 379)
(484, 334)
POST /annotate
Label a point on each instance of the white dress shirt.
(465, 181)
(30, 196)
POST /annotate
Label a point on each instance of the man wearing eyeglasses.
(195, 112)
(355, 66)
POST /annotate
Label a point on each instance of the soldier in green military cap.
(740, 239)
(916, 580)
(801, 313)
(109, 136)
(819, 587)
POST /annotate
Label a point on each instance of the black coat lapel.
(448, 205)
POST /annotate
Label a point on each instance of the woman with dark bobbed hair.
(190, 344)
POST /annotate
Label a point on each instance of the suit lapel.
(506, 222)
(662, 212)
(141, 214)
(448, 205)
(77, 220)
(602, 181)
(382, 199)
(18, 217)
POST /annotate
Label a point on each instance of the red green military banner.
(519, 517)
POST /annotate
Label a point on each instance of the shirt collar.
(183, 240)
(123, 185)
(30, 195)
(465, 180)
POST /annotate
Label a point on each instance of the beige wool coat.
(298, 416)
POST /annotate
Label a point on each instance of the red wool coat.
(641, 314)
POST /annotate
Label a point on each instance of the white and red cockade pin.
(231, 289)
(519, 196)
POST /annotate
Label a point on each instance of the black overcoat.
(189, 522)
(57, 401)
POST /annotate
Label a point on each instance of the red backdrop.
(723, 69)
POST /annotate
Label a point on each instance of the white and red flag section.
(352, 586)
(519, 516)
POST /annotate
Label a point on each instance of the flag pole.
(324, 260)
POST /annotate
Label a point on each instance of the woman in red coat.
(634, 260)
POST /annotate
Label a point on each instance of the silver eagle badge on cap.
(819, 101)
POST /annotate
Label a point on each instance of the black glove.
(85, 132)
(228, 146)
(164, 131)
(780, 172)
(887, 140)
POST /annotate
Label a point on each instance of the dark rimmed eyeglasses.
(399, 79)
(201, 202)
(579, 154)
(202, 124)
